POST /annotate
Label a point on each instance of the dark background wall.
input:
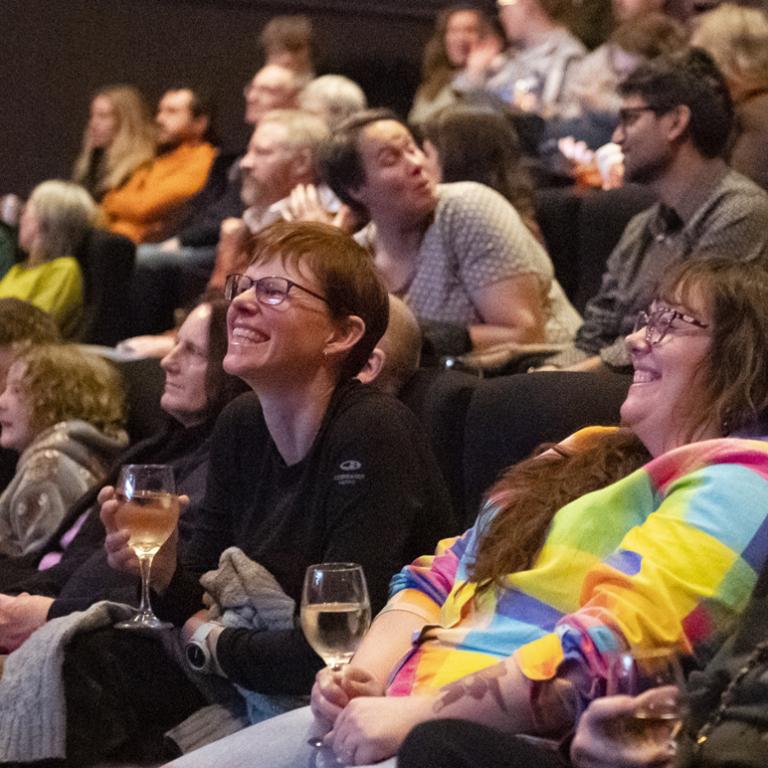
(56, 52)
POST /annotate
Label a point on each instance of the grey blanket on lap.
(242, 594)
(32, 702)
(33, 723)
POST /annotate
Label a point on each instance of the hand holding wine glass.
(335, 613)
(658, 676)
(121, 556)
(148, 509)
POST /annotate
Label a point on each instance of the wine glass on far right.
(657, 676)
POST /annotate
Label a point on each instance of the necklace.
(758, 656)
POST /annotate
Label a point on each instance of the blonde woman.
(737, 39)
(54, 222)
(118, 138)
(62, 411)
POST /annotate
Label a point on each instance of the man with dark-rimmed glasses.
(673, 128)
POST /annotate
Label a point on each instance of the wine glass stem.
(317, 741)
(145, 565)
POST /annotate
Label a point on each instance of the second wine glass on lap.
(335, 613)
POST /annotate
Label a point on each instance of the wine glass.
(657, 674)
(335, 613)
(149, 509)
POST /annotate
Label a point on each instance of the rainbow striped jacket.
(666, 556)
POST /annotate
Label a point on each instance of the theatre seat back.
(509, 416)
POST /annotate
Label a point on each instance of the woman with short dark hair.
(310, 467)
(457, 254)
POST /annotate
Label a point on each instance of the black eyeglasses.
(629, 115)
(269, 290)
(658, 321)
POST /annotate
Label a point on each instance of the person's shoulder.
(736, 185)
(364, 408)
(753, 112)
(63, 265)
(596, 61)
(457, 191)
(749, 454)
(13, 273)
(637, 224)
(567, 43)
(471, 199)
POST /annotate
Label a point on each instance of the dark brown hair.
(436, 69)
(288, 33)
(735, 375)
(527, 496)
(650, 35)
(345, 272)
(689, 78)
(220, 387)
(477, 144)
(20, 321)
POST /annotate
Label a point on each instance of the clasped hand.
(600, 740)
(363, 726)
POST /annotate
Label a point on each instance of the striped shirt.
(666, 556)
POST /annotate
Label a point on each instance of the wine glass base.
(144, 621)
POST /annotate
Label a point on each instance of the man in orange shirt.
(149, 207)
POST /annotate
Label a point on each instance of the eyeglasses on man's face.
(658, 322)
(269, 290)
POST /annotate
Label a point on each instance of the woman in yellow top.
(55, 220)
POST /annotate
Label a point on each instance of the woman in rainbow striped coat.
(515, 623)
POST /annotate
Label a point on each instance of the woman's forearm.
(386, 643)
(497, 696)
(526, 332)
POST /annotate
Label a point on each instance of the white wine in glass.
(656, 673)
(335, 613)
(334, 630)
(148, 509)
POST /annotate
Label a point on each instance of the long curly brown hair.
(527, 496)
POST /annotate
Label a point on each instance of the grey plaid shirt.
(721, 214)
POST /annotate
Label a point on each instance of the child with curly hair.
(62, 411)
